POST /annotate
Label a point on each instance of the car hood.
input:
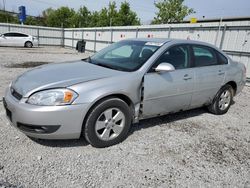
(60, 75)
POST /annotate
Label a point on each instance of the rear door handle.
(187, 77)
(221, 72)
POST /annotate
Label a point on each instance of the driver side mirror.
(164, 67)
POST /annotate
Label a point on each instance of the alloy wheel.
(110, 124)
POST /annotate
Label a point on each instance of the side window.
(178, 56)
(222, 60)
(22, 35)
(8, 34)
(204, 56)
(150, 49)
(122, 52)
(19, 35)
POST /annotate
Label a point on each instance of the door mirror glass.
(164, 67)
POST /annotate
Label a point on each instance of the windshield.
(125, 55)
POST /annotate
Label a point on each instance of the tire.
(222, 100)
(108, 123)
(28, 44)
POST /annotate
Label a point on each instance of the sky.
(145, 9)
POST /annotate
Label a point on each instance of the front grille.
(16, 94)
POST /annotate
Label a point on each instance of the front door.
(6, 39)
(169, 91)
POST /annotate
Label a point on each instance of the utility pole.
(4, 5)
(218, 32)
(110, 25)
(110, 16)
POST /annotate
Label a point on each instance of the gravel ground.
(188, 149)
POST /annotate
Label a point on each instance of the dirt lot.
(189, 149)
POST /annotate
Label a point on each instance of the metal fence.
(233, 37)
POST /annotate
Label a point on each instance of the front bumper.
(240, 86)
(45, 122)
(35, 43)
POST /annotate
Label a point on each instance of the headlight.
(53, 97)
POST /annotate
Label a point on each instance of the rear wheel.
(28, 44)
(108, 123)
(222, 100)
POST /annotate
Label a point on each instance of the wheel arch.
(27, 42)
(233, 85)
(123, 97)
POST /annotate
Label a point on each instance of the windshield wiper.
(105, 65)
(88, 59)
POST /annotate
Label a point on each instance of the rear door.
(19, 39)
(169, 91)
(209, 74)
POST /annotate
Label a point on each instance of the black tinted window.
(204, 56)
(19, 35)
(15, 35)
(221, 58)
(8, 34)
(178, 56)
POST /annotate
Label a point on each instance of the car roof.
(178, 41)
(165, 40)
(161, 40)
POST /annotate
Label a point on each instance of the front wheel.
(108, 123)
(28, 44)
(222, 100)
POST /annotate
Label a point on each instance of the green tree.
(94, 19)
(6, 17)
(67, 17)
(171, 11)
(112, 17)
(126, 16)
(103, 18)
(82, 17)
(45, 15)
(112, 14)
(62, 16)
(39, 21)
(108, 16)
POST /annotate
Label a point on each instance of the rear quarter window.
(221, 58)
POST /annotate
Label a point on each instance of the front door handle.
(187, 77)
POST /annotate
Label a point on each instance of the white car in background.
(18, 39)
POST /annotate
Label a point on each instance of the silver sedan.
(101, 96)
